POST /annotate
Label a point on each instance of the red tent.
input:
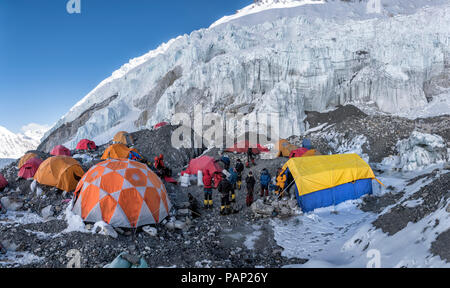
(298, 152)
(204, 163)
(159, 125)
(60, 150)
(242, 147)
(30, 168)
(3, 182)
(86, 144)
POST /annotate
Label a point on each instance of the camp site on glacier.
(225, 134)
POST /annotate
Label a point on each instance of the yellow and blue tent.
(323, 181)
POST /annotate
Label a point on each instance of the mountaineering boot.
(210, 204)
(222, 210)
(205, 204)
(233, 198)
(239, 183)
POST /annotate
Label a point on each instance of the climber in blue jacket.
(265, 180)
(233, 180)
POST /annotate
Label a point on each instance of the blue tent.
(322, 181)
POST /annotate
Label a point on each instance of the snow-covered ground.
(16, 259)
(343, 236)
(321, 235)
(19, 218)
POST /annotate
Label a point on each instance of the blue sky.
(50, 59)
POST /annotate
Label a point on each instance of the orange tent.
(285, 148)
(25, 158)
(117, 151)
(122, 193)
(312, 152)
(62, 172)
(123, 137)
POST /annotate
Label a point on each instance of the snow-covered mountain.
(15, 145)
(282, 57)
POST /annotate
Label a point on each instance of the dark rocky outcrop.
(66, 131)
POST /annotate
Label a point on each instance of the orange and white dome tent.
(122, 193)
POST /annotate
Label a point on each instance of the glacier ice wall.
(284, 66)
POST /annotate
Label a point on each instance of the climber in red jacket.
(161, 168)
(207, 188)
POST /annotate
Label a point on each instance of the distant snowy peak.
(15, 145)
(262, 11)
(34, 131)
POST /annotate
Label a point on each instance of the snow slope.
(15, 145)
(312, 57)
(343, 236)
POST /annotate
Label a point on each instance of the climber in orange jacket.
(281, 182)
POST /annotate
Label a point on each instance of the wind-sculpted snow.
(419, 151)
(284, 66)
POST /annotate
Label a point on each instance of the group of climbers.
(231, 180)
(227, 184)
(226, 188)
